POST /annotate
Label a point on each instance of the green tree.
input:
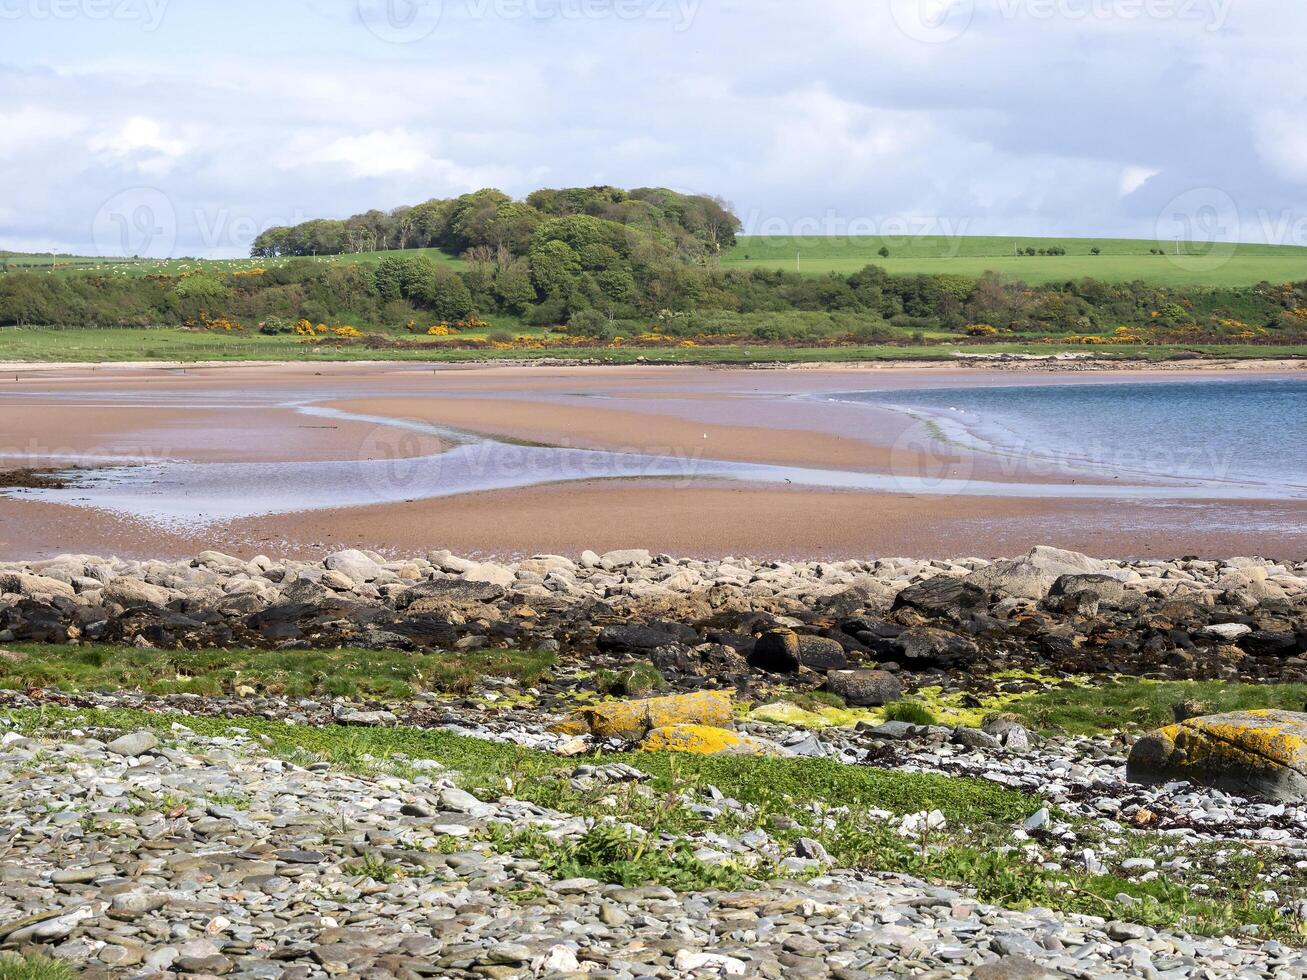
(443, 292)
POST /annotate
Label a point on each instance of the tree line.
(602, 261)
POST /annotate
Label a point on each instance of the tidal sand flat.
(507, 460)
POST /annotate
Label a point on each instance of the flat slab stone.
(1252, 753)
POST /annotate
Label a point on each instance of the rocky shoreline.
(177, 834)
(700, 622)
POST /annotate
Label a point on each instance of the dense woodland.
(603, 262)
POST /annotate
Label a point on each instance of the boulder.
(943, 595)
(1033, 575)
(632, 637)
(34, 586)
(784, 651)
(1109, 591)
(926, 646)
(355, 565)
(1251, 753)
(821, 653)
(1226, 632)
(864, 688)
(706, 740)
(623, 559)
(133, 744)
(132, 593)
(450, 590)
(776, 652)
(491, 574)
(632, 720)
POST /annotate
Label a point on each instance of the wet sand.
(243, 413)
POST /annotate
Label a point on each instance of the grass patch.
(615, 855)
(294, 673)
(912, 712)
(632, 682)
(1131, 704)
(14, 967)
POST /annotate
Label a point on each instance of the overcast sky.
(184, 126)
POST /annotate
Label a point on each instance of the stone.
(777, 652)
(625, 558)
(864, 688)
(34, 586)
(1033, 575)
(1227, 632)
(1252, 753)
(133, 744)
(689, 961)
(354, 565)
(632, 720)
(706, 740)
(928, 646)
(1107, 589)
(821, 653)
(943, 595)
(491, 574)
(631, 637)
(132, 593)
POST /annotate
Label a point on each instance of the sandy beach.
(343, 414)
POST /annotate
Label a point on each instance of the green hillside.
(29, 262)
(1121, 259)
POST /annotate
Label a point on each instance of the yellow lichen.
(702, 740)
(632, 719)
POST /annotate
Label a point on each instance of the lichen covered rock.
(631, 720)
(1252, 753)
(706, 740)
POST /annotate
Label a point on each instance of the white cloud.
(140, 143)
(29, 128)
(1282, 142)
(1133, 178)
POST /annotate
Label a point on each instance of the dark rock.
(927, 646)
(864, 688)
(1268, 643)
(820, 653)
(631, 637)
(943, 596)
(453, 590)
(777, 652)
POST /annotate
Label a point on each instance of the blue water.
(1218, 431)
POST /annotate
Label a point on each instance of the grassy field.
(300, 673)
(1122, 259)
(91, 345)
(29, 262)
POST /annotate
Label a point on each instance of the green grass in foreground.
(13, 967)
(1121, 260)
(295, 673)
(790, 797)
(1133, 705)
(112, 344)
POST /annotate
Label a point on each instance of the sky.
(183, 127)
